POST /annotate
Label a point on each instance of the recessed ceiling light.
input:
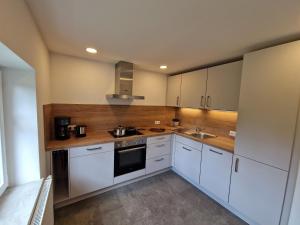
(91, 50)
(163, 67)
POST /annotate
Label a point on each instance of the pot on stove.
(119, 131)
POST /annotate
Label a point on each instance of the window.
(3, 169)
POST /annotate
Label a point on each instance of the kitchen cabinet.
(187, 161)
(268, 105)
(213, 88)
(216, 171)
(158, 163)
(193, 89)
(223, 86)
(188, 141)
(158, 139)
(158, 153)
(173, 90)
(161, 148)
(257, 190)
(91, 168)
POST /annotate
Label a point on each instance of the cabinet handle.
(236, 166)
(158, 160)
(177, 101)
(187, 149)
(161, 138)
(201, 102)
(219, 153)
(93, 149)
(208, 100)
(131, 150)
(159, 146)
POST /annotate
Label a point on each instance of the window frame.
(3, 164)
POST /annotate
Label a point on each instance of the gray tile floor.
(165, 199)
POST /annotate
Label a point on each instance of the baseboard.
(92, 194)
(216, 199)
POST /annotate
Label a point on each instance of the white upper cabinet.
(216, 171)
(268, 104)
(173, 90)
(193, 89)
(223, 86)
(257, 190)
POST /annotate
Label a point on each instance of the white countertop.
(17, 203)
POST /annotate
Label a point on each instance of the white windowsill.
(17, 203)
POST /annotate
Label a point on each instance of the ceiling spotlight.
(91, 50)
(163, 67)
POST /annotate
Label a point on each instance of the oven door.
(130, 159)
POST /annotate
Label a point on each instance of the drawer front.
(189, 142)
(157, 139)
(158, 163)
(155, 150)
(91, 149)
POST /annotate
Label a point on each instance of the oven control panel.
(131, 142)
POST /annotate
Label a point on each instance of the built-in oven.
(130, 156)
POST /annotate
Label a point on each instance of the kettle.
(80, 130)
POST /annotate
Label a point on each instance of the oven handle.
(131, 150)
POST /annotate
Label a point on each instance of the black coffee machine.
(61, 127)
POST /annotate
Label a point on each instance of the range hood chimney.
(124, 82)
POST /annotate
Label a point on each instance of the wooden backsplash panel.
(103, 117)
(48, 122)
(217, 122)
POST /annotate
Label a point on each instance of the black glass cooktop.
(128, 133)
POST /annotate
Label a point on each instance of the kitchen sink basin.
(203, 135)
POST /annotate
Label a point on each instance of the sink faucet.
(199, 129)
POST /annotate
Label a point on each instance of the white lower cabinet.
(158, 163)
(257, 190)
(187, 161)
(158, 153)
(162, 148)
(215, 171)
(91, 172)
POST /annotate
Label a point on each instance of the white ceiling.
(9, 59)
(180, 33)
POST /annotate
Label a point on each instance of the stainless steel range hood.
(124, 82)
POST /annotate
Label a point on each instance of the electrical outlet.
(232, 133)
(156, 122)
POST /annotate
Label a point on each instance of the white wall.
(80, 81)
(19, 32)
(292, 178)
(295, 212)
(21, 128)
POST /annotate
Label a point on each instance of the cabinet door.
(257, 190)
(173, 90)
(187, 161)
(91, 172)
(215, 171)
(193, 89)
(268, 105)
(223, 86)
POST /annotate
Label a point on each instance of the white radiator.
(43, 213)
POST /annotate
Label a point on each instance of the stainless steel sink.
(203, 135)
